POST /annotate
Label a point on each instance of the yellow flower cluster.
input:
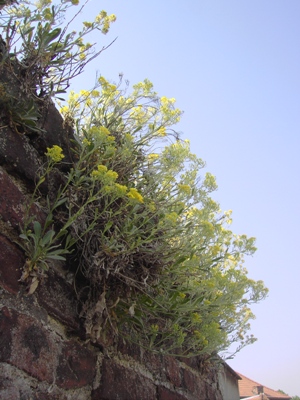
(185, 189)
(208, 226)
(87, 24)
(171, 218)
(47, 14)
(201, 337)
(120, 189)
(40, 4)
(55, 153)
(152, 157)
(108, 89)
(64, 110)
(144, 87)
(105, 20)
(135, 195)
(106, 175)
(152, 207)
(170, 113)
(162, 131)
(196, 317)
(101, 136)
(129, 138)
(139, 114)
(86, 142)
(154, 328)
(95, 93)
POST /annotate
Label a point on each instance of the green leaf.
(52, 35)
(60, 202)
(47, 239)
(37, 228)
(180, 260)
(56, 257)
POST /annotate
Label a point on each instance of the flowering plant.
(153, 256)
(154, 247)
(49, 54)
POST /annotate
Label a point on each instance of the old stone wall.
(44, 354)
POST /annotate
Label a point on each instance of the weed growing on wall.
(160, 265)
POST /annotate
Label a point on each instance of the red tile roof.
(248, 388)
(258, 397)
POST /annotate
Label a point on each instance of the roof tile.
(248, 388)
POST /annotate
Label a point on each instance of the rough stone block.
(213, 393)
(122, 383)
(8, 321)
(166, 394)
(153, 362)
(17, 154)
(59, 299)
(11, 262)
(26, 344)
(77, 366)
(55, 133)
(129, 349)
(13, 202)
(173, 370)
(192, 362)
(194, 384)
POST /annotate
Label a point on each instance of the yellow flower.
(95, 174)
(64, 109)
(153, 157)
(120, 189)
(104, 130)
(196, 317)
(129, 137)
(110, 139)
(100, 172)
(152, 206)
(134, 194)
(47, 14)
(95, 93)
(42, 3)
(87, 24)
(154, 328)
(102, 168)
(107, 189)
(111, 175)
(185, 188)
(162, 131)
(197, 334)
(86, 142)
(171, 217)
(55, 153)
(84, 93)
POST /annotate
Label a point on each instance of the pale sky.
(234, 68)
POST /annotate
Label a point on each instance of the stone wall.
(44, 353)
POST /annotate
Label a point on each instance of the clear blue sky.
(234, 68)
